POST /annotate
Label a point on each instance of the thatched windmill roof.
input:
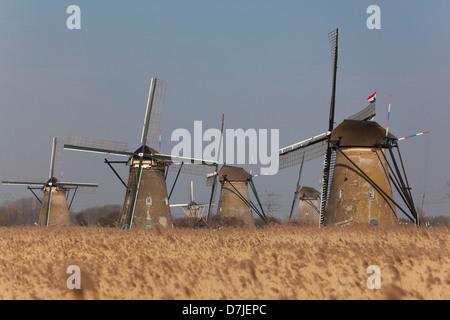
(357, 133)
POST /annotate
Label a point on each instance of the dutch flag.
(372, 98)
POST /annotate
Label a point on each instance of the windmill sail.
(21, 180)
(211, 178)
(297, 188)
(79, 186)
(316, 147)
(155, 104)
(333, 39)
(86, 144)
(305, 150)
(55, 160)
(366, 114)
(176, 160)
(195, 169)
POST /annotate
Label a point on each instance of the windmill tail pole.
(387, 125)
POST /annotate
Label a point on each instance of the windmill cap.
(308, 192)
(233, 173)
(359, 133)
(52, 180)
(147, 150)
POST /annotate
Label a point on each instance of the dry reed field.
(272, 262)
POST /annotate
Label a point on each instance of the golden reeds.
(273, 262)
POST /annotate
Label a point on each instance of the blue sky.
(264, 64)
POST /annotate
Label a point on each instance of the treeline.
(105, 216)
(25, 211)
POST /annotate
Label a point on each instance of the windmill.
(367, 140)
(363, 177)
(360, 191)
(308, 206)
(234, 199)
(54, 208)
(192, 209)
(146, 200)
(318, 145)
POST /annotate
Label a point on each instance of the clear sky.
(264, 64)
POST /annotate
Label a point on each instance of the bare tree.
(23, 211)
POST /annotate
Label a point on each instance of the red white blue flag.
(372, 98)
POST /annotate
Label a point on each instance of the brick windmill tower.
(234, 200)
(360, 191)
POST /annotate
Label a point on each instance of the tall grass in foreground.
(274, 262)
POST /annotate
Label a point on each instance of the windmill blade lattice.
(308, 149)
(212, 178)
(196, 169)
(332, 39)
(366, 114)
(151, 130)
(22, 180)
(316, 146)
(56, 158)
(87, 144)
(79, 186)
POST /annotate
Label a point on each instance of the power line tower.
(271, 202)
(448, 186)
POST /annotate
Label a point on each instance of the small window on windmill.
(220, 209)
(167, 201)
(148, 201)
(236, 208)
(341, 193)
(371, 194)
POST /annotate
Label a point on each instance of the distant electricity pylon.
(448, 186)
(271, 202)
